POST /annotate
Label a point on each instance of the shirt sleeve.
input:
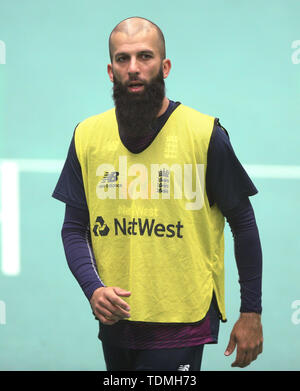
(69, 188)
(227, 182)
(248, 255)
(77, 244)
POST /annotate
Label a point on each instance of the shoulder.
(92, 129)
(90, 124)
(220, 140)
(192, 113)
(195, 121)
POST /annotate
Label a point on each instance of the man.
(147, 186)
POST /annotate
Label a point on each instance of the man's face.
(138, 73)
(136, 60)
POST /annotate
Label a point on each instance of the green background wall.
(236, 60)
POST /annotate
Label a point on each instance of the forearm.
(78, 250)
(248, 255)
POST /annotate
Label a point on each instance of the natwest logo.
(138, 226)
(100, 228)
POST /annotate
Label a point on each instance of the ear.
(166, 67)
(110, 72)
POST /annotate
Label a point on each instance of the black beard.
(136, 112)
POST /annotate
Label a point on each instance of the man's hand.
(107, 305)
(248, 337)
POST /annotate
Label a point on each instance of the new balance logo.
(110, 176)
(184, 367)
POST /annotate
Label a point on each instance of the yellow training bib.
(153, 231)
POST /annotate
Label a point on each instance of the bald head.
(137, 25)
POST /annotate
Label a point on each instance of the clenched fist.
(107, 305)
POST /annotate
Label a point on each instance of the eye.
(146, 56)
(121, 59)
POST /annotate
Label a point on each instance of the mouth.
(135, 86)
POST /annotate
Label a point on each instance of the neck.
(164, 106)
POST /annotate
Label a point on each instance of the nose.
(133, 67)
